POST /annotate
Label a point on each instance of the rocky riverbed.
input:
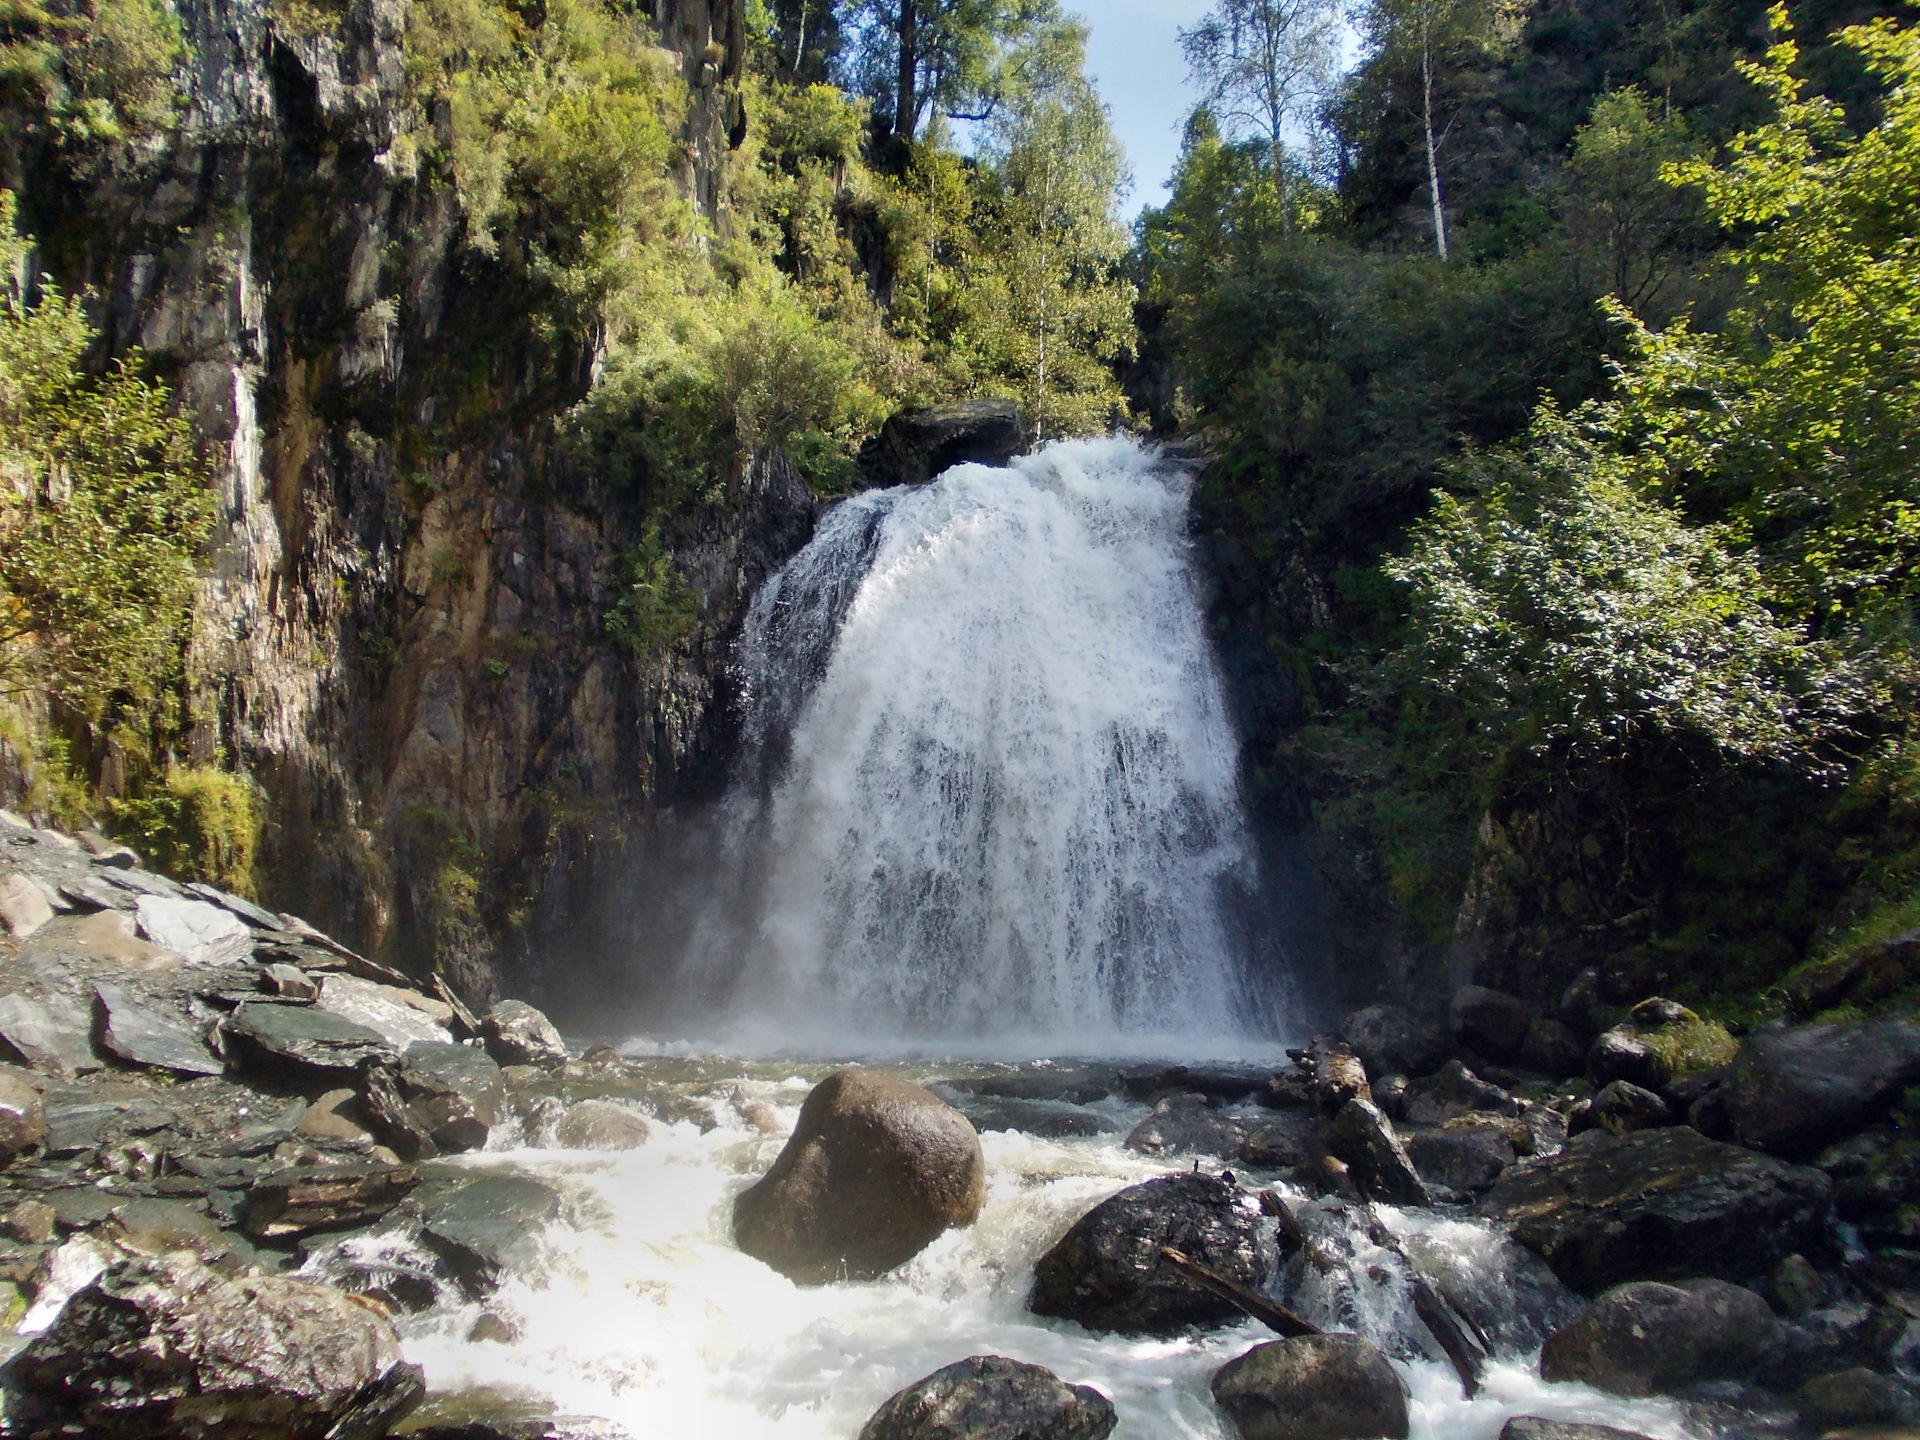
(257, 1185)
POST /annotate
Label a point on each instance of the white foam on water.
(653, 1319)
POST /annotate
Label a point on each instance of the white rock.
(23, 906)
(51, 1038)
(381, 1010)
(205, 934)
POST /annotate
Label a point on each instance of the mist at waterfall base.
(986, 794)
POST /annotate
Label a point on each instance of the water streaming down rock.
(988, 789)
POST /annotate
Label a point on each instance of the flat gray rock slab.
(203, 934)
(91, 892)
(303, 1038)
(248, 911)
(51, 1038)
(143, 1035)
(491, 1226)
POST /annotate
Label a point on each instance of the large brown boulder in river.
(874, 1171)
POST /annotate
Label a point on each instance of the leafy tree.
(103, 507)
(1262, 68)
(957, 58)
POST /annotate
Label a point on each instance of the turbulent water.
(650, 1317)
(988, 795)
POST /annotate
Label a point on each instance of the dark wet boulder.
(1622, 1107)
(517, 1034)
(299, 1042)
(23, 1114)
(1621, 1053)
(455, 1089)
(1463, 1161)
(1535, 1427)
(1659, 1204)
(1795, 1287)
(989, 1397)
(1187, 1125)
(1315, 1387)
(1451, 1092)
(1857, 1397)
(1552, 1048)
(167, 1347)
(1794, 1090)
(914, 446)
(1647, 1338)
(1107, 1272)
(490, 1227)
(874, 1171)
(1364, 1138)
(1285, 1139)
(1388, 1040)
(1489, 1022)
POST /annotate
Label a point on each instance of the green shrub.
(202, 823)
(654, 608)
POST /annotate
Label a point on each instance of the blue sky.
(1134, 52)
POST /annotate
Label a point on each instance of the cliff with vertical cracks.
(401, 634)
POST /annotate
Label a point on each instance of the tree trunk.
(906, 102)
(1433, 163)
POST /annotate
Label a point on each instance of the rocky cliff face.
(401, 634)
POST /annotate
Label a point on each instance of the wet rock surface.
(1316, 1387)
(989, 1397)
(875, 1169)
(1534, 1427)
(1107, 1272)
(1665, 1203)
(1648, 1338)
(1364, 1138)
(1792, 1091)
(168, 1346)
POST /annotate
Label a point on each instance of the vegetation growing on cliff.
(1630, 687)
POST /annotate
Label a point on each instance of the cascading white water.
(989, 790)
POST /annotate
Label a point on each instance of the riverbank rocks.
(517, 1034)
(1857, 1397)
(874, 1171)
(1315, 1387)
(1107, 1272)
(1188, 1125)
(489, 1227)
(1647, 1338)
(989, 1397)
(1364, 1138)
(1451, 1092)
(23, 1114)
(1658, 1204)
(1490, 1022)
(1463, 1161)
(303, 1199)
(1622, 1107)
(1794, 1090)
(916, 445)
(165, 1346)
(300, 1042)
(1390, 1041)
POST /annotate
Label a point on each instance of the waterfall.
(988, 789)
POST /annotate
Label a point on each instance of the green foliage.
(1566, 616)
(1690, 1044)
(968, 57)
(201, 823)
(655, 609)
(103, 505)
(88, 75)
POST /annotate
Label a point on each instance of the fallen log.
(1274, 1316)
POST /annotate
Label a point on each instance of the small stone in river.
(989, 1397)
(762, 1117)
(1313, 1387)
(517, 1034)
(491, 1327)
(1796, 1286)
(1857, 1397)
(599, 1125)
